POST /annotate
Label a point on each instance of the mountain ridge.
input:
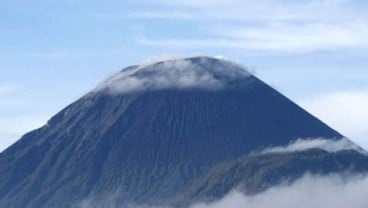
(153, 145)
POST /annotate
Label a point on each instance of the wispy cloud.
(201, 3)
(318, 143)
(266, 10)
(284, 37)
(304, 26)
(161, 15)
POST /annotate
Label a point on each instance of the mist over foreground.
(194, 132)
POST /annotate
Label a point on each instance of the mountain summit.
(198, 72)
(171, 133)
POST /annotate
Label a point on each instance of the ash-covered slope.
(152, 132)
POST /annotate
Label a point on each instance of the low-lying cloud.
(310, 191)
(337, 191)
(174, 73)
(328, 145)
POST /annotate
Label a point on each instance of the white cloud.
(301, 37)
(310, 191)
(286, 26)
(266, 10)
(345, 111)
(215, 3)
(200, 3)
(315, 191)
(160, 15)
(155, 59)
(175, 73)
(320, 143)
(285, 37)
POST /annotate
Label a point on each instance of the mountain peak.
(181, 73)
(171, 147)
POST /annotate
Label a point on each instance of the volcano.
(170, 133)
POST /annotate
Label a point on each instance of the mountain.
(169, 133)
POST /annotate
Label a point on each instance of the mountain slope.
(256, 173)
(152, 132)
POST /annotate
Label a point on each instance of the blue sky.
(52, 52)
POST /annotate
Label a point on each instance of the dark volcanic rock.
(153, 132)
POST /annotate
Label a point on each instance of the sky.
(313, 51)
